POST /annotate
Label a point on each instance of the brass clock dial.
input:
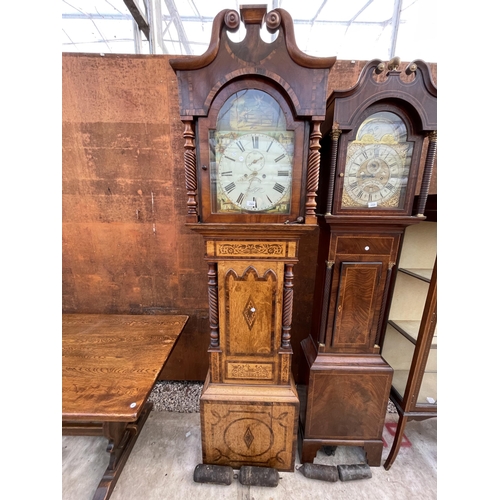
(373, 174)
(255, 172)
(377, 164)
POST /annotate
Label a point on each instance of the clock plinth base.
(249, 425)
(347, 398)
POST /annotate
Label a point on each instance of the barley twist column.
(335, 133)
(313, 173)
(287, 308)
(426, 180)
(190, 171)
(213, 305)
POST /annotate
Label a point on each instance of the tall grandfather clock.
(374, 137)
(252, 113)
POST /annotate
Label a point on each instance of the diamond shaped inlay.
(249, 313)
(248, 437)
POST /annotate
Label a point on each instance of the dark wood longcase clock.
(374, 136)
(252, 112)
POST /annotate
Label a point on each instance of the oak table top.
(110, 364)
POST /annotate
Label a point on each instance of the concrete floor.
(167, 451)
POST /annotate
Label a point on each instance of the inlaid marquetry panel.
(259, 434)
(250, 370)
(229, 249)
(250, 306)
(250, 312)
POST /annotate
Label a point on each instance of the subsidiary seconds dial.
(255, 172)
(373, 175)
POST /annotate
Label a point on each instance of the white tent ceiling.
(348, 29)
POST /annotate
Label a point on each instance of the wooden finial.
(394, 63)
(253, 14)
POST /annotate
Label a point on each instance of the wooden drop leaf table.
(110, 364)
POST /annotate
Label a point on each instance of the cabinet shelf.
(421, 274)
(427, 394)
(410, 329)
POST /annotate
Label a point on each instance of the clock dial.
(255, 172)
(377, 164)
(251, 156)
(373, 174)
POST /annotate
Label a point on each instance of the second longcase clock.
(374, 136)
(252, 112)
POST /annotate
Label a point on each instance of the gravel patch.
(184, 397)
(391, 408)
(177, 397)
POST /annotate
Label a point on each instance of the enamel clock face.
(255, 172)
(251, 156)
(377, 164)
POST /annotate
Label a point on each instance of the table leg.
(122, 437)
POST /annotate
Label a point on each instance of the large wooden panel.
(124, 244)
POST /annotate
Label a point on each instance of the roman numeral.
(279, 188)
(279, 158)
(229, 172)
(270, 201)
(283, 173)
(229, 158)
(255, 203)
(230, 187)
(240, 198)
(269, 147)
(238, 143)
(255, 141)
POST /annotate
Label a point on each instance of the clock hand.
(253, 176)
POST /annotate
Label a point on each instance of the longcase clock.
(375, 136)
(252, 112)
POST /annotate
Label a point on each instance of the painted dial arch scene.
(377, 164)
(251, 156)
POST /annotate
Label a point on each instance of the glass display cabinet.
(410, 340)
